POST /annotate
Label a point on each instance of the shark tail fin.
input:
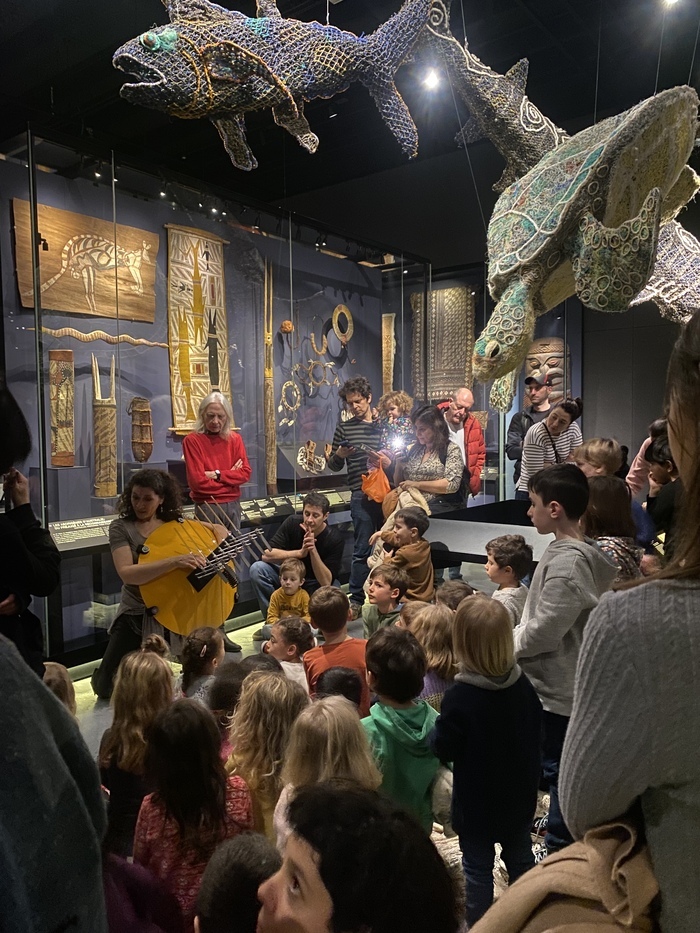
(392, 42)
(517, 75)
(470, 133)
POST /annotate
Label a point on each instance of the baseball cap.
(541, 379)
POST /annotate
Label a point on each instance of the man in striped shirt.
(356, 443)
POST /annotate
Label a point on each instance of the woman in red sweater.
(216, 461)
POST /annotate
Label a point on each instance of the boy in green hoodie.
(398, 726)
(387, 588)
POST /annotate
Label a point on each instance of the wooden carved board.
(450, 342)
(82, 271)
(197, 329)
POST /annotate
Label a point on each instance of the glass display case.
(129, 297)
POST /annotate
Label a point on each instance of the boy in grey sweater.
(567, 584)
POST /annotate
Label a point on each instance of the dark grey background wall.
(625, 357)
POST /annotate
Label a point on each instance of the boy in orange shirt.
(329, 609)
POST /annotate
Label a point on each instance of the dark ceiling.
(55, 62)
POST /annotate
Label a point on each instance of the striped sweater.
(354, 433)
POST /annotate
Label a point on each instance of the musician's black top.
(329, 545)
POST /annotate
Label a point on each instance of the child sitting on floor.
(410, 551)
(290, 639)
(194, 806)
(267, 708)
(290, 599)
(509, 561)
(330, 612)
(432, 628)
(452, 592)
(341, 682)
(387, 587)
(202, 653)
(398, 726)
(57, 679)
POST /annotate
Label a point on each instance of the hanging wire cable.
(597, 64)
(464, 22)
(695, 48)
(466, 152)
(328, 12)
(661, 43)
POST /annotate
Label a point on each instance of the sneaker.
(355, 610)
(539, 850)
(258, 636)
(539, 826)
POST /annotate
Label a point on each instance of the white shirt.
(457, 437)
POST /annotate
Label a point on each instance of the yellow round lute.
(179, 606)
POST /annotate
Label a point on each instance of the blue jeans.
(554, 729)
(522, 494)
(366, 517)
(477, 862)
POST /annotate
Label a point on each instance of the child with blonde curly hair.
(262, 722)
(326, 742)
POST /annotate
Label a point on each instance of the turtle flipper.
(503, 343)
(611, 266)
(232, 132)
(503, 391)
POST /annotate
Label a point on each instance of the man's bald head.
(460, 405)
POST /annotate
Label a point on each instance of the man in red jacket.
(465, 432)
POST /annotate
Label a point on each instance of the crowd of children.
(262, 782)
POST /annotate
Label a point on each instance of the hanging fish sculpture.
(217, 63)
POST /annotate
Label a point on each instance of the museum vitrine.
(128, 297)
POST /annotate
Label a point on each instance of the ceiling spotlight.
(214, 210)
(321, 241)
(256, 224)
(163, 194)
(98, 174)
(223, 213)
(431, 79)
(405, 271)
(671, 2)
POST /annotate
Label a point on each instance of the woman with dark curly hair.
(150, 498)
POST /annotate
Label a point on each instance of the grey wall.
(625, 357)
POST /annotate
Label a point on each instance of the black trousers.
(125, 636)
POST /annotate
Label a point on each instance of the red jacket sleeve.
(475, 450)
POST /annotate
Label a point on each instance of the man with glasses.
(538, 388)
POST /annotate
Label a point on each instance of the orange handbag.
(375, 485)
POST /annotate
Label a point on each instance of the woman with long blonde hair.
(143, 687)
(262, 722)
(326, 742)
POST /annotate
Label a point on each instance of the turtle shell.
(531, 211)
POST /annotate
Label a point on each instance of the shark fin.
(470, 133)
(231, 62)
(294, 121)
(195, 9)
(517, 75)
(396, 115)
(232, 132)
(267, 8)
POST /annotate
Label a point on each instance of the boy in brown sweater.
(408, 549)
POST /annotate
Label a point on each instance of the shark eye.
(150, 41)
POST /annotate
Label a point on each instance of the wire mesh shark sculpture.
(217, 63)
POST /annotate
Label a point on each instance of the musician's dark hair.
(317, 501)
(15, 439)
(200, 648)
(162, 484)
(184, 766)
(228, 898)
